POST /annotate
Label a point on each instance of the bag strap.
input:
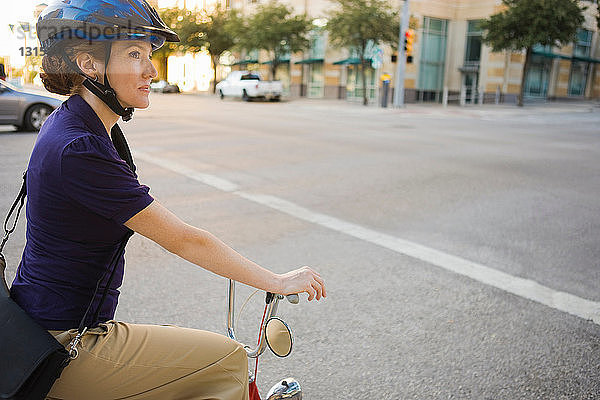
(19, 201)
(118, 139)
(84, 324)
(122, 148)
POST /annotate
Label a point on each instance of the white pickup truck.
(247, 85)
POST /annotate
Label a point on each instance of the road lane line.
(526, 288)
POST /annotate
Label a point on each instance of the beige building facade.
(448, 58)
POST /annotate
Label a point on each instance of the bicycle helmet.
(105, 21)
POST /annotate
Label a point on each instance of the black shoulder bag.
(32, 358)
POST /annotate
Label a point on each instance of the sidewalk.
(537, 108)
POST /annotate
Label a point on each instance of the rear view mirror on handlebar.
(278, 337)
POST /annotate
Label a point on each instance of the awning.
(351, 61)
(244, 62)
(586, 59)
(285, 61)
(550, 55)
(310, 61)
(562, 56)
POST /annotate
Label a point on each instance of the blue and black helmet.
(101, 20)
(105, 21)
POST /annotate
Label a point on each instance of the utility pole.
(401, 67)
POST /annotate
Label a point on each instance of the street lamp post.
(401, 66)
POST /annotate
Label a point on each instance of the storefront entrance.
(538, 76)
(354, 83)
(316, 81)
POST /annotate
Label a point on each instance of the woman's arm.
(204, 249)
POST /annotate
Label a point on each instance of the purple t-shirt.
(79, 195)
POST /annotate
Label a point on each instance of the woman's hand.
(303, 280)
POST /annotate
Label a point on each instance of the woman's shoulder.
(83, 142)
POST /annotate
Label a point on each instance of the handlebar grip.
(293, 298)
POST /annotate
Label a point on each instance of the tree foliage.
(357, 24)
(274, 28)
(214, 31)
(184, 23)
(526, 23)
(218, 32)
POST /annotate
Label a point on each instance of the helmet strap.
(103, 90)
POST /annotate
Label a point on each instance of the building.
(448, 54)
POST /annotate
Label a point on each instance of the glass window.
(538, 48)
(370, 51)
(354, 83)
(583, 43)
(286, 54)
(283, 75)
(537, 77)
(437, 25)
(317, 44)
(316, 83)
(250, 77)
(473, 50)
(433, 54)
(578, 78)
(252, 55)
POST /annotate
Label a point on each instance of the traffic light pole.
(401, 67)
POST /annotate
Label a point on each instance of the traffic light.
(409, 40)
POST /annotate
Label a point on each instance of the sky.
(20, 10)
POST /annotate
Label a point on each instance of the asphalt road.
(512, 190)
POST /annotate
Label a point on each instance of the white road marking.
(526, 288)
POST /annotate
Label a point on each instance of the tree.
(526, 23)
(274, 29)
(357, 24)
(184, 23)
(218, 33)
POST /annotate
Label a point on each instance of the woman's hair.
(58, 76)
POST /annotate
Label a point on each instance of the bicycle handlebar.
(271, 312)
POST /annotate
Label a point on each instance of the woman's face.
(130, 72)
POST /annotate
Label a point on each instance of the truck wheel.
(35, 117)
(221, 95)
(245, 96)
(276, 98)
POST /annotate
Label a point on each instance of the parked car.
(26, 110)
(164, 87)
(248, 85)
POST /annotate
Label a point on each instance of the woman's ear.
(88, 65)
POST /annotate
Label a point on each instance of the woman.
(83, 199)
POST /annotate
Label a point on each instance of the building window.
(317, 45)
(583, 43)
(433, 58)
(579, 69)
(578, 78)
(473, 48)
(354, 83)
(537, 77)
(316, 80)
(371, 51)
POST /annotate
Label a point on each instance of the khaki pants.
(128, 361)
